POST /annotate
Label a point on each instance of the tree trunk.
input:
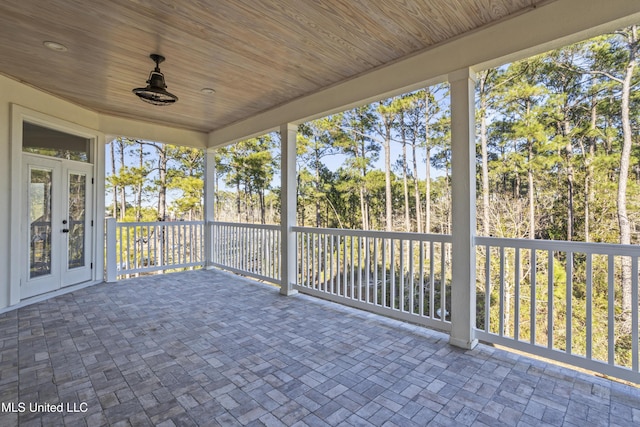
(363, 209)
(623, 219)
(416, 189)
(427, 191)
(238, 204)
(387, 175)
(588, 193)
(405, 179)
(317, 195)
(364, 203)
(162, 178)
(532, 216)
(139, 186)
(570, 184)
(262, 206)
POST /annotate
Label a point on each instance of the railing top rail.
(246, 225)
(560, 245)
(151, 223)
(426, 237)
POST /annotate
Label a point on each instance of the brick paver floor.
(209, 348)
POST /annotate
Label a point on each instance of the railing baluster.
(432, 280)
(421, 280)
(401, 306)
(314, 258)
(375, 270)
(225, 246)
(393, 275)
(589, 307)
(345, 282)
(443, 283)
(501, 319)
(384, 271)
(120, 257)
(367, 257)
(303, 259)
(568, 301)
(325, 263)
(359, 253)
(173, 245)
(339, 285)
(352, 276)
(331, 265)
(309, 261)
(533, 309)
(516, 284)
(487, 289)
(610, 309)
(136, 263)
(550, 299)
(155, 245)
(411, 277)
(634, 313)
(182, 242)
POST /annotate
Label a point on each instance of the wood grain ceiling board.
(255, 54)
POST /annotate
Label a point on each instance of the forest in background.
(558, 157)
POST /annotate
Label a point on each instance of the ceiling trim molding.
(534, 31)
(114, 126)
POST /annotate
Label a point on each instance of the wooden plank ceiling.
(255, 54)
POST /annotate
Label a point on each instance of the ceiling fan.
(156, 90)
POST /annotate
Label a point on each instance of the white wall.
(13, 92)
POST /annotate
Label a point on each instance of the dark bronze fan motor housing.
(156, 91)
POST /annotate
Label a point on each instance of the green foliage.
(553, 126)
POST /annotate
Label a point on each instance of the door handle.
(65, 230)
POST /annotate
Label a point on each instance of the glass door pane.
(40, 196)
(77, 217)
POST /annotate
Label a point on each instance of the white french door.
(58, 223)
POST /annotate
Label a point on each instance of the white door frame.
(16, 243)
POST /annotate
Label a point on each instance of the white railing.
(401, 275)
(556, 299)
(249, 249)
(145, 247)
(560, 300)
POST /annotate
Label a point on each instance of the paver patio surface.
(206, 348)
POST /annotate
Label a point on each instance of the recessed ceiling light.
(207, 91)
(55, 46)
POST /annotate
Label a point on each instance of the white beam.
(137, 129)
(111, 274)
(288, 134)
(463, 191)
(209, 205)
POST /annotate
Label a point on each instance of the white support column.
(288, 134)
(463, 227)
(209, 205)
(112, 269)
